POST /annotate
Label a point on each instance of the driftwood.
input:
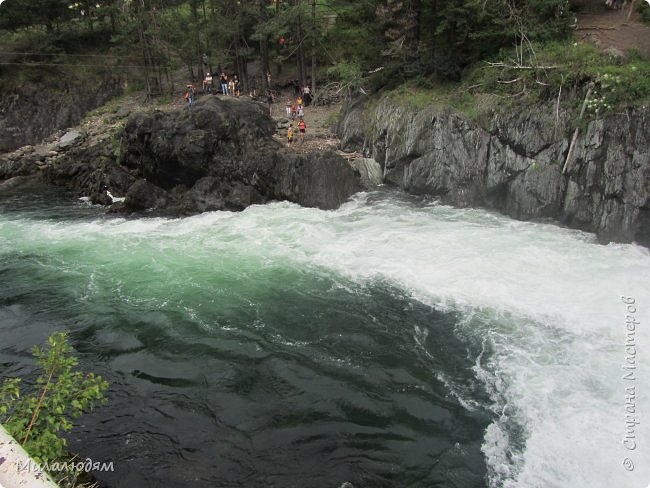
(576, 132)
(350, 156)
(519, 66)
(557, 105)
(508, 82)
(596, 27)
(629, 14)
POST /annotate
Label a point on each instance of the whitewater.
(552, 322)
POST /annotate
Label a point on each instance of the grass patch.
(618, 82)
(623, 81)
(109, 107)
(420, 93)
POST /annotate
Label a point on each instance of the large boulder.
(144, 196)
(220, 154)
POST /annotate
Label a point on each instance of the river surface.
(392, 342)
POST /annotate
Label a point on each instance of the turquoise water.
(393, 342)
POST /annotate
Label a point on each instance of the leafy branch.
(62, 394)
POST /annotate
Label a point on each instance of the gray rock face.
(515, 166)
(32, 111)
(370, 171)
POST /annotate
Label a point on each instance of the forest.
(313, 39)
(475, 56)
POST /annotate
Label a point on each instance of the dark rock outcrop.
(220, 155)
(515, 165)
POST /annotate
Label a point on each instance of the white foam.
(114, 198)
(555, 323)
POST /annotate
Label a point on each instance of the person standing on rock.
(288, 108)
(301, 128)
(224, 83)
(207, 83)
(237, 86)
(269, 99)
(301, 112)
(189, 96)
(290, 135)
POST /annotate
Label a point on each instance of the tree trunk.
(574, 139)
(264, 46)
(302, 69)
(145, 55)
(194, 8)
(313, 46)
(629, 14)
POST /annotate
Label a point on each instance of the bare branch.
(517, 66)
(508, 82)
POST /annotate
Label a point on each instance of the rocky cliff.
(219, 155)
(33, 111)
(515, 165)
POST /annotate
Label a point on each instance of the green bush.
(37, 418)
(644, 9)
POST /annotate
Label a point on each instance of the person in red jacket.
(301, 128)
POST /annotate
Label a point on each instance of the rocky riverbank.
(227, 153)
(516, 164)
(219, 155)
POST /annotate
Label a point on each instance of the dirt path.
(609, 29)
(319, 135)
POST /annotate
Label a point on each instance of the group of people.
(232, 87)
(293, 110)
(615, 4)
(229, 86)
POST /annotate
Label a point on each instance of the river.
(392, 342)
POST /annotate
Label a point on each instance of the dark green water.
(232, 368)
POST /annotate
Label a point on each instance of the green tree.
(15, 14)
(443, 38)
